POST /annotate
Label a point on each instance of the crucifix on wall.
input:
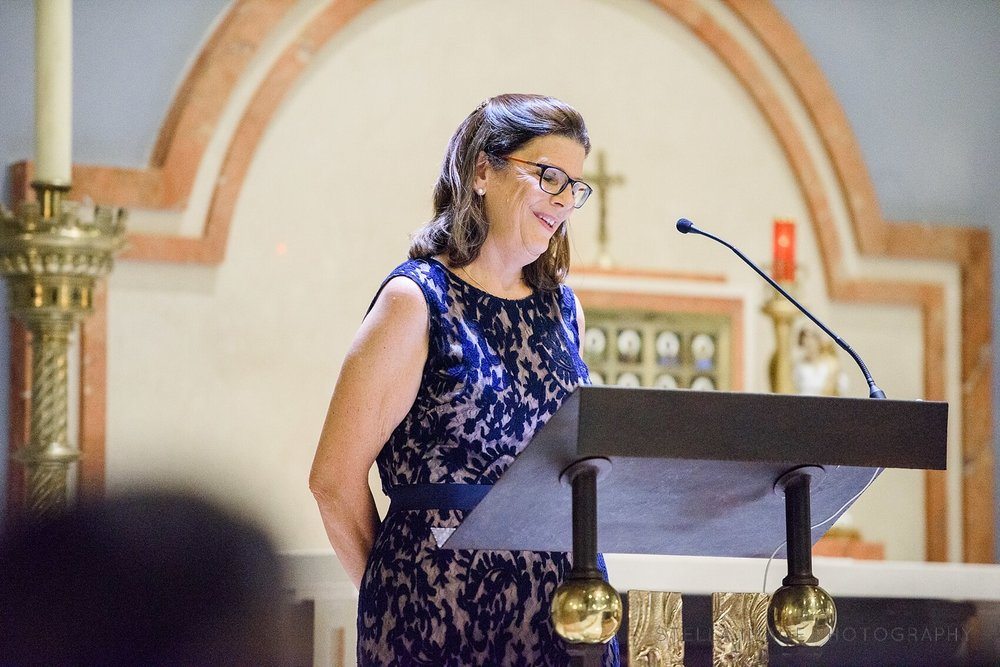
(601, 181)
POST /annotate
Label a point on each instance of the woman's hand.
(376, 388)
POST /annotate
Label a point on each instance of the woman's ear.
(482, 172)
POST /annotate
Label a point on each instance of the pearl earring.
(480, 191)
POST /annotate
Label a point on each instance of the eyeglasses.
(553, 180)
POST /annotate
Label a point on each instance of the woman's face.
(522, 217)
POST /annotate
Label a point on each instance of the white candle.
(53, 90)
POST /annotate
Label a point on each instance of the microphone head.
(684, 225)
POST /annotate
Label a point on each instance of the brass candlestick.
(52, 252)
(783, 314)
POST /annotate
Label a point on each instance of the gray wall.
(919, 81)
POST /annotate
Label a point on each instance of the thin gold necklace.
(480, 285)
(473, 279)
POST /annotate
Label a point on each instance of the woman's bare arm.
(376, 388)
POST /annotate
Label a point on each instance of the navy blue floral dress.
(497, 369)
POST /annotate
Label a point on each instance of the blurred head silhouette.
(151, 577)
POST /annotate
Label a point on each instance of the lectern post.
(585, 608)
(794, 485)
(583, 477)
(800, 613)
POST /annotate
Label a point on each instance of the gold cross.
(601, 181)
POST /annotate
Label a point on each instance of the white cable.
(826, 520)
(768, 566)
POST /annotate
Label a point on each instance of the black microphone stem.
(874, 391)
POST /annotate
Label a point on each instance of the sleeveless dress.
(497, 369)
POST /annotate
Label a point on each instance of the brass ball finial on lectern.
(586, 611)
(801, 615)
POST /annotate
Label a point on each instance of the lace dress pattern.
(497, 370)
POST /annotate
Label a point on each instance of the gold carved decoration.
(739, 629)
(655, 632)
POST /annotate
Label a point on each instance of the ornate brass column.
(52, 253)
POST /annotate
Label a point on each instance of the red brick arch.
(194, 115)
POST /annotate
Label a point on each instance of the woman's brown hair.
(497, 128)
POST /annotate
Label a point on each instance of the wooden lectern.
(699, 473)
(693, 473)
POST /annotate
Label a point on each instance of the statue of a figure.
(817, 370)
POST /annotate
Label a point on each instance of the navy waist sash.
(436, 496)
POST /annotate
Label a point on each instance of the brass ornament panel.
(739, 629)
(655, 630)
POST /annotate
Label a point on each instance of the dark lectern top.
(693, 472)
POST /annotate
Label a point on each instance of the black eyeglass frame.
(570, 182)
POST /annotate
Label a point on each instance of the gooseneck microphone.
(685, 226)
